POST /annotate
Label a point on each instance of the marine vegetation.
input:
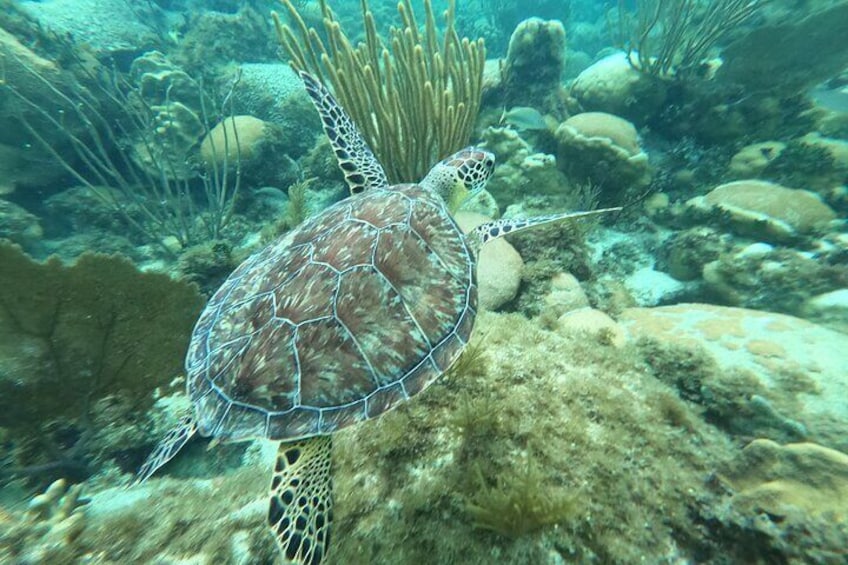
(131, 142)
(415, 97)
(665, 38)
(520, 502)
(82, 346)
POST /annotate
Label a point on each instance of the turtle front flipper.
(489, 231)
(361, 169)
(167, 448)
(301, 505)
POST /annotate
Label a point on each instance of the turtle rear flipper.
(301, 504)
(167, 448)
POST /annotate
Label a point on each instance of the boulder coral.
(752, 160)
(613, 85)
(767, 211)
(603, 150)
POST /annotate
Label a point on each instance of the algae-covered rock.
(537, 447)
(18, 225)
(762, 277)
(792, 498)
(791, 481)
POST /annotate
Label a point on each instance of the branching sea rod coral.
(414, 97)
(669, 37)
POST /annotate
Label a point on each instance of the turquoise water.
(203, 250)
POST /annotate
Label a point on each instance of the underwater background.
(667, 383)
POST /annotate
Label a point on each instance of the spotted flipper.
(489, 231)
(361, 169)
(167, 448)
(301, 506)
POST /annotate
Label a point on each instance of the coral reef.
(781, 280)
(128, 28)
(522, 172)
(582, 421)
(756, 374)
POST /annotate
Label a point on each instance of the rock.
(499, 266)
(829, 308)
(19, 225)
(594, 322)
(767, 210)
(650, 287)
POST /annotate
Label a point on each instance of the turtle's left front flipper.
(167, 448)
(489, 231)
(301, 505)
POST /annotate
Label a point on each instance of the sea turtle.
(356, 310)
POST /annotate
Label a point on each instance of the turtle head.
(460, 176)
